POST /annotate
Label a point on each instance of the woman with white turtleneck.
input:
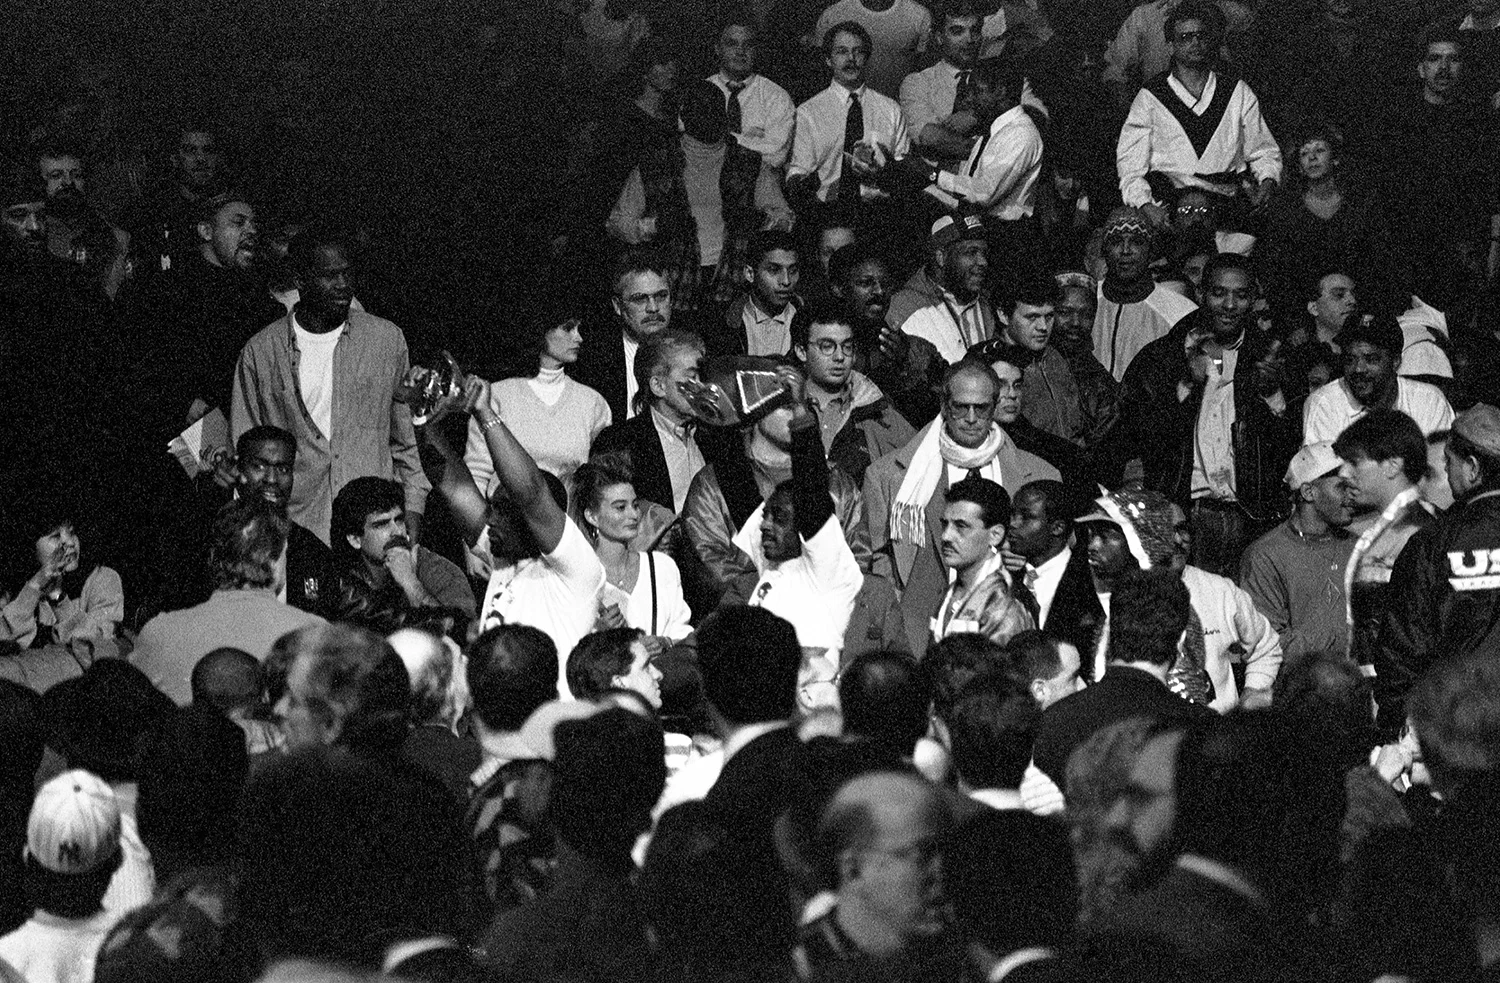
(553, 417)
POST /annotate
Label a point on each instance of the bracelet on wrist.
(486, 426)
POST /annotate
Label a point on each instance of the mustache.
(398, 542)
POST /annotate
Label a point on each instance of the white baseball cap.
(75, 824)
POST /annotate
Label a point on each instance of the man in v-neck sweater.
(1194, 126)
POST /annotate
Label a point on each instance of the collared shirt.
(1213, 450)
(951, 326)
(818, 142)
(1153, 139)
(928, 96)
(631, 386)
(832, 413)
(1332, 407)
(372, 433)
(767, 334)
(1044, 580)
(680, 448)
(1001, 173)
(766, 112)
(989, 470)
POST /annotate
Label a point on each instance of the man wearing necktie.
(936, 99)
(846, 134)
(759, 111)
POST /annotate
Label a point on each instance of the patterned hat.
(1127, 219)
(75, 824)
(1145, 518)
(948, 230)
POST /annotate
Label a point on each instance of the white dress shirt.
(818, 140)
(1153, 140)
(1001, 173)
(927, 96)
(631, 386)
(684, 459)
(766, 112)
(1044, 580)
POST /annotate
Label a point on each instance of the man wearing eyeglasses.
(1195, 125)
(857, 421)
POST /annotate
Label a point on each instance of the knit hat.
(1145, 518)
(75, 824)
(1312, 462)
(1480, 426)
(948, 230)
(1126, 219)
(1074, 278)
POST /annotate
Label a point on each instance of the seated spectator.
(231, 682)
(100, 722)
(1010, 879)
(643, 588)
(554, 417)
(192, 768)
(72, 851)
(346, 688)
(991, 726)
(759, 322)
(660, 442)
(512, 673)
(248, 556)
(615, 658)
(61, 600)
(385, 580)
(608, 773)
(438, 744)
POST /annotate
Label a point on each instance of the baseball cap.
(949, 229)
(75, 824)
(1312, 462)
(1480, 426)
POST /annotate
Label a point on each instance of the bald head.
(880, 835)
(227, 679)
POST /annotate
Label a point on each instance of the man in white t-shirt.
(808, 573)
(328, 374)
(544, 572)
(1371, 349)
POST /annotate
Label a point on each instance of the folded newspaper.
(196, 447)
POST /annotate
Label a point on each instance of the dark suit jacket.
(639, 441)
(1122, 693)
(1216, 930)
(601, 363)
(1076, 616)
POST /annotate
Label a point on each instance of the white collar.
(1060, 560)
(1222, 875)
(1016, 960)
(844, 93)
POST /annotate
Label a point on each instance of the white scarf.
(934, 453)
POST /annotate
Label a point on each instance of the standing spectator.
(1371, 348)
(1049, 394)
(1295, 572)
(1443, 600)
(248, 558)
(846, 134)
(1382, 470)
(614, 659)
(641, 301)
(897, 32)
(758, 112)
(904, 490)
(1193, 126)
(936, 100)
(553, 417)
(1049, 667)
(858, 424)
(1055, 576)
(1132, 309)
(947, 303)
(72, 851)
(1073, 337)
(1142, 48)
(328, 375)
(643, 587)
(1214, 389)
(975, 519)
